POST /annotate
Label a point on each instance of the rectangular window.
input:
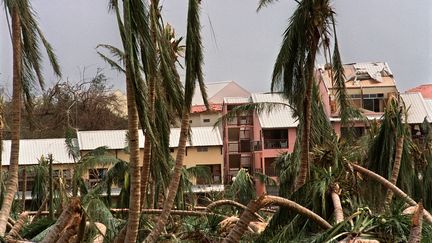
(202, 149)
(171, 150)
(190, 121)
(206, 120)
(371, 102)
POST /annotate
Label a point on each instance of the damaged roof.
(365, 74)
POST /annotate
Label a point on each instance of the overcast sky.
(241, 44)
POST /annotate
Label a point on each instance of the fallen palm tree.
(13, 233)
(219, 203)
(229, 223)
(266, 200)
(173, 212)
(65, 219)
(388, 185)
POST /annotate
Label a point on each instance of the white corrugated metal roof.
(200, 136)
(116, 139)
(113, 139)
(236, 100)
(428, 105)
(280, 117)
(417, 108)
(376, 70)
(32, 149)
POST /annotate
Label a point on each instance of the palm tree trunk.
(338, 211)
(70, 230)
(12, 183)
(307, 117)
(134, 165)
(41, 208)
(387, 184)
(63, 221)
(395, 170)
(24, 188)
(145, 173)
(247, 216)
(13, 233)
(175, 179)
(233, 203)
(416, 227)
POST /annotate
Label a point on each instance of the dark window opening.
(274, 138)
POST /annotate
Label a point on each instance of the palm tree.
(265, 200)
(133, 29)
(26, 38)
(294, 70)
(391, 150)
(400, 129)
(194, 74)
(390, 186)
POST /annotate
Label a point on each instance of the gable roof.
(217, 91)
(116, 139)
(279, 117)
(418, 109)
(31, 151)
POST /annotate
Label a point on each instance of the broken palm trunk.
(65, 219)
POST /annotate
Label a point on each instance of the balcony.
(256, 146)
(275, 143)
(240, 120)
(242, 146)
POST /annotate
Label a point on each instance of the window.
(371, 102)
(202, 149)
(206, 120)
(275, 138)
(171, 150)
(270, 167)
(190, 121)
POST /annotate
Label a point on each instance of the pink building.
(253, 140)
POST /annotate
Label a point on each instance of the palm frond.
(194, 56)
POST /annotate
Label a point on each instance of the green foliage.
(242, 189)
(97, 211)
(200, 229)
(39, 190)
(382, 150)
(36, 227)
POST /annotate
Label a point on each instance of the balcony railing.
(275, 143)
(256, 146)
(240, 120)
(239, 147)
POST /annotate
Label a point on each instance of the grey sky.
(241, 44)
